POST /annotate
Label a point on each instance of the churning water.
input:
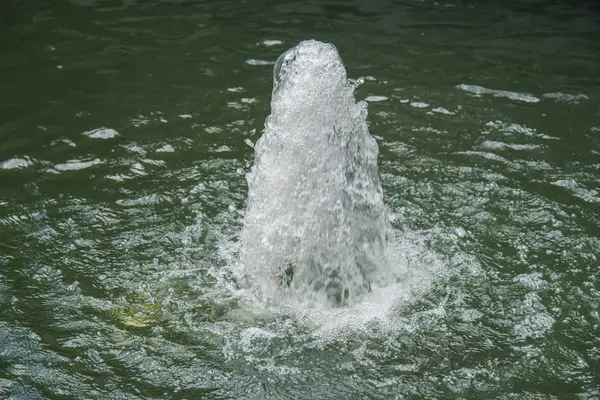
(317, 243)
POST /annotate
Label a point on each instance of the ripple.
(150, 161)
(509, 128)
(479, 90)
(271, 43)
(144, 200)
(119, 177)
(253, 61)
(534, 321)
(566, 98)
(489, 156)
(101, 133)
(64, 141)
(492, 145)
(16, 163)
(138, 169)
(134, 148)
(221, 149)
(589, 195)
(74, 165)
(166, 148)
(139, 121)
(375, 99)
(442, 110)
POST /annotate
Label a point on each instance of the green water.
(123, 129)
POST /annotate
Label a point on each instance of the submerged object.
(315, 226)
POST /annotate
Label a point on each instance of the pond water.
(126, 132)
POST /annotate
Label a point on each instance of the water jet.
(316, 228)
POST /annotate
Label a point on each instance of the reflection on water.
(125, 140)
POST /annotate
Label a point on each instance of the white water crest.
(316, 229)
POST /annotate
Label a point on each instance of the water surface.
(126, 131)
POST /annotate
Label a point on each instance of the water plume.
(316, 229)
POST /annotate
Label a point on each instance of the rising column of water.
(315, 227)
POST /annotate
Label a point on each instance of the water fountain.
(316, 228)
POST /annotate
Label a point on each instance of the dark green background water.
(114, 244)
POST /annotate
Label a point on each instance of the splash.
(316, 228)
